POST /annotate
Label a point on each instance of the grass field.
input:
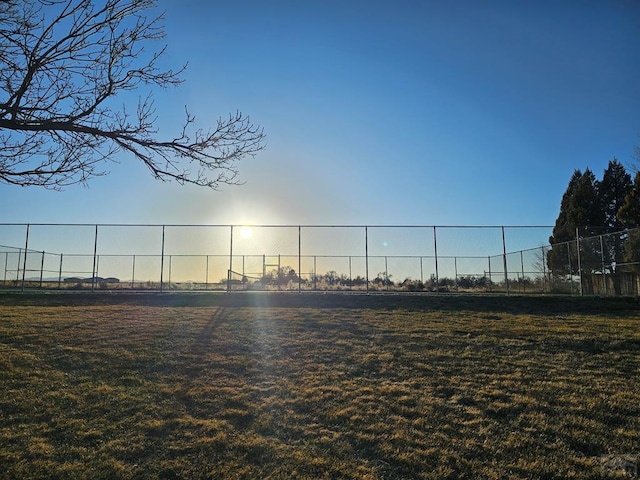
(317, 386)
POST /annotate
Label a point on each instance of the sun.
(246, 232)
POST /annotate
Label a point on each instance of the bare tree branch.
(63, 64)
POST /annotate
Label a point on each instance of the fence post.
(524, 283)
(6, 262)
(60, 273)
(206, 275)
(579, 262)
(95, 252)
(133, 272)
(455, 270)
(18, 265)
(366, 256)
(162, 261)
(41, 268)
(570, 265)
(386, 273)
(299, 259)
(544, 271)
(24, 264)
(435, 253)
(604, 277)
(504, 262)
(231, 258)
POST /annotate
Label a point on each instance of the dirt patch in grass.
(288, 386)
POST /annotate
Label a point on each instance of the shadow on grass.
(242, 386)
(514, 304)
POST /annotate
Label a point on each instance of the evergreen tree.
(585, 207)
(597, 212)
(631, 255)
(559, 257)
(580, 210)
(613, 189)
(629, 213)
(615, 185)
(629, 216)
(563, 231)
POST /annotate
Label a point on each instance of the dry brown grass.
(261, 387)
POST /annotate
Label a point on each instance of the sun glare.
(246, 232)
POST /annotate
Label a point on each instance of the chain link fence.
(476, 259)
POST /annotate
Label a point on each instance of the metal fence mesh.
(303, 258)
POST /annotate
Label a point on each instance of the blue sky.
(404, 112)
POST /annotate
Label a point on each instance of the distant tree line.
(603, 209)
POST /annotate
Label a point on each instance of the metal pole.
(570, 270)
(18, 265)
(435, 253)
(231, 259)
(206, 275)
(604, 277)
(133, 272)
(421, 272)
(490, 276)
(41, 268)
(455, 270)
(524, 287)
(6, 262)
(60, 272)
(169, 279)
(24, 264)
(95, 254)
(579, 261)
(162, 261)
(504, 261)
(366, 256)
(386, 272)
(544, 272)
(299, 259)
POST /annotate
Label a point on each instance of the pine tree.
(580, 210)
(629, 216)
(563, 231)
(585, 208)
(629, 213)
(613, 189)
(597, 213)
(559, 257)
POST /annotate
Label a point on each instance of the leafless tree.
(63, 64)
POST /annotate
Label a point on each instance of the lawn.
(317, 386)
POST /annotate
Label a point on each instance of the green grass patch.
(313, 386)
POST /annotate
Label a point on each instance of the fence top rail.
(228, 225)
(226, 255)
